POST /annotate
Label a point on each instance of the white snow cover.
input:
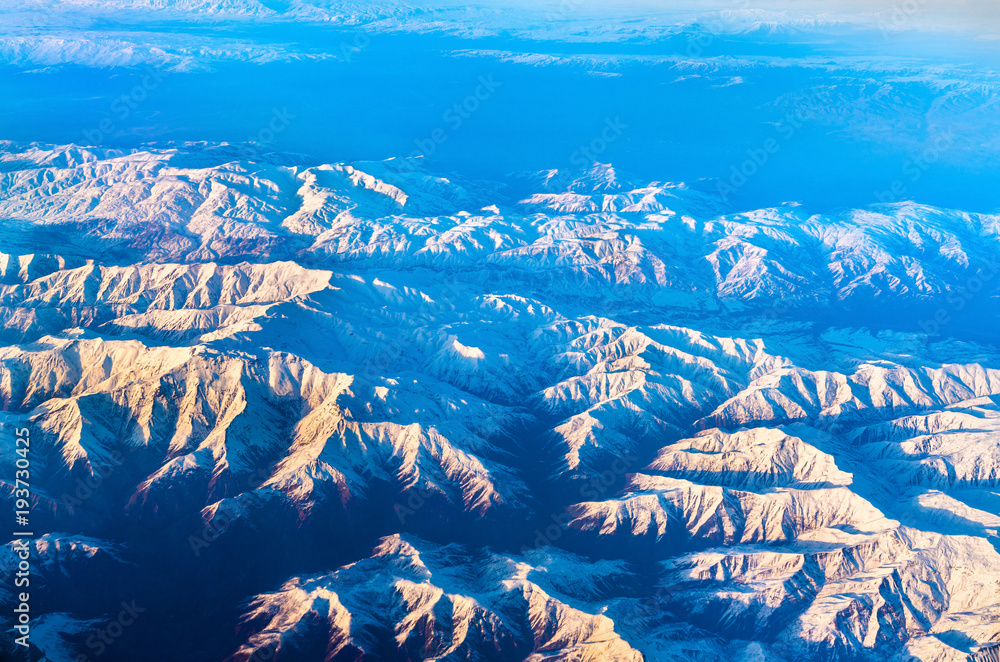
(699, 435)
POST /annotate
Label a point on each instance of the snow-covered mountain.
(380, 412)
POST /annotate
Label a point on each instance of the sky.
(978, 17)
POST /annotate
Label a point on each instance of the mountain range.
(293, 410)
